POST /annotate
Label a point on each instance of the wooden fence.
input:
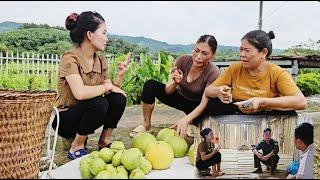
(43, 64)
(32, 64)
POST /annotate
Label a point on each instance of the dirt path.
(162, 114)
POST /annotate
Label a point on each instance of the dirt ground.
(163, 116)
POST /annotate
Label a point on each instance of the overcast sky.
(182, 22)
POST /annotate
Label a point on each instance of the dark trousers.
(215, 159)
(154, 89)
(272, 161)
(88, 115)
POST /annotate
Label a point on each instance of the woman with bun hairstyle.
(257, 85)
(208, 155)
(184, 90)
(87, 97)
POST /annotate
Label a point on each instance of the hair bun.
(271, 35)
(71, 21)
(202, 134)
(205, 132)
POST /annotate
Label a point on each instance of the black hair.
(260, 40)
(79, 25)
(266, 129)
(210, 40)
(205, 132)
(304, 132)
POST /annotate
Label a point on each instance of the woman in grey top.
(188, 80)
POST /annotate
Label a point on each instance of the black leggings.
(215, 159)
(88, 115)
(154, 89)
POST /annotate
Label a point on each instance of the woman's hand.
(176, 75)
(112, 88)
(216, 149)
(107, 85)
(116, 89)
(250, 106)
(124, 66)
(182, 126)
(224, 94)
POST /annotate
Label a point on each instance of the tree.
(119, 46)
(309, 48)
(3, 48)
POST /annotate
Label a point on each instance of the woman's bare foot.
(216, 173)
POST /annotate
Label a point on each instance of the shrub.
(309, 83)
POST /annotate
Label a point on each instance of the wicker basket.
(24, 116)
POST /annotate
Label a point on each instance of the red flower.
(73, 17)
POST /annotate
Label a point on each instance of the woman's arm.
(122, 69)
(183, 123)
(205, 157)
(221, 92)
(83, 92)
(170, 87)
(117, 82)
(285, 103)
(174, 79)
(212, 91)
(198, 110)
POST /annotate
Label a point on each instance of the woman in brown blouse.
(207, 154)
(87, 97)
(189, 78)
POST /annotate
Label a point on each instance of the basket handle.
(54, 113)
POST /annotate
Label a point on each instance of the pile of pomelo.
(148, 152)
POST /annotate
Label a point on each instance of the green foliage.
(31, 40)
(25, 82)
(33, 25)
(14, 82)
(44, 39)
(119, 46)
(140, 72)
(55, 48)
(3, 48)
(309, 83)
